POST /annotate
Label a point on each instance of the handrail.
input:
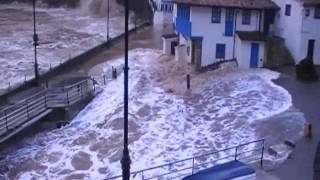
(75, 84)
(22, 101)
(26, 109)
(194, 165)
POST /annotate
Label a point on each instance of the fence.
(108, 75)
(61, 97)
(249, 153)
(26, 110)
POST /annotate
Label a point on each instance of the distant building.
(298, 22)
(164, 12)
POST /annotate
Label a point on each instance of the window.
(246, 17)
(183, 11)
(307, 12)
(220, 51)
(288, 10)
(317, 12)
(216, 15)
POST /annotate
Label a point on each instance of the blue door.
(229, 27)
(254, 59)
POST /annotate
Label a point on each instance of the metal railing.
(68, 95)
(248, 153)
(25, 110)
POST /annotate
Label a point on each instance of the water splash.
(98, 7)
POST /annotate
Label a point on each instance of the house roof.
(251, 36)
(169, 36)
(245, 4)
(310, 2)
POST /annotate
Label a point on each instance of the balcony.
(183, 26)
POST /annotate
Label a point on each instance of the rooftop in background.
(310, 2)
(244, 4)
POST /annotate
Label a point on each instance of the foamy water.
(63, 34)
(221, 112)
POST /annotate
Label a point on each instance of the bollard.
(9, 86)
(47, 84)
(308, 130)
(114, 73)
(104, 79)
(188, 81)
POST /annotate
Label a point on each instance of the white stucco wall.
(188, 45)
(166, 46)
(310, 30)
(289, 27)
(165, 18)
(243, 53)
(213, 33)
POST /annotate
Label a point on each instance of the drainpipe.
(234, 34)
(260, 20)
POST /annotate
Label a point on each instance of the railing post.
(236, 155)
(45, 100)
(27, 106)
(94, 86)
(192, 165)
(68, 97)
(261, 160)
(104, 79)
(6, 117)
(81, 91)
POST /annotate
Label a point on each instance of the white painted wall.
(213, 33)
(167, 45)
(297, 29)
(164, 18)
(188, 45)
(289, 27)
(310, 30)
(243, 53)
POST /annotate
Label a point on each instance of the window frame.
(220, 51)
(287, 10)
(246, 17)
(317, 12)
(216, 15)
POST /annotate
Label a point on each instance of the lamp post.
(108, 20)
(125, 161)
(35, 44)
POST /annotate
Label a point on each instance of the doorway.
(254, 59)
(311, 44)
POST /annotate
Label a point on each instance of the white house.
(214, 30)
(298, 22)
(164, 12)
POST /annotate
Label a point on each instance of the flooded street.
(167, 123)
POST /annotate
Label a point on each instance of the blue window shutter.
(220, 51)
(229, 24)
(288, 10)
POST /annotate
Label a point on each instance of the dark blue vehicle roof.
(225, 171)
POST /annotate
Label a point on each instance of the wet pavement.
(306, 98)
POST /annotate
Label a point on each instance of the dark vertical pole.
(234, 34)
(188, 81)
(125, 161)
(35, 44)
(108, 21)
